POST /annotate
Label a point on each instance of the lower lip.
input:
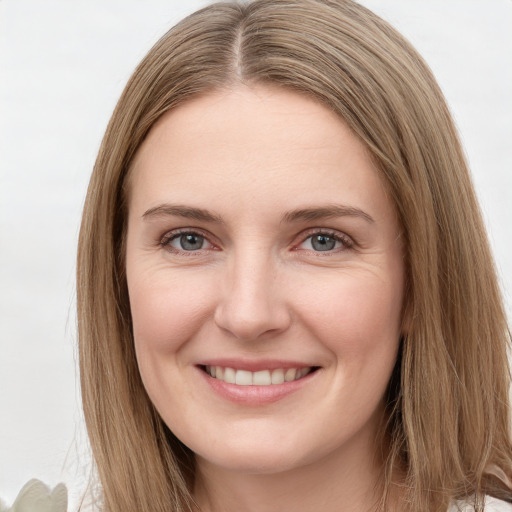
(255, 395)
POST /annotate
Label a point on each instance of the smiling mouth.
(259, 378)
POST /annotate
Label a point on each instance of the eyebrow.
(186, 212)
(301, 214)
(327, 212)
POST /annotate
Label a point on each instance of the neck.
(342, 481)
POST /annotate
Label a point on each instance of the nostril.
(251, 308)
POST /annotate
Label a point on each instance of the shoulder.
(491, 505)
(495, 505)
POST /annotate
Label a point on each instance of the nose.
(252, 305)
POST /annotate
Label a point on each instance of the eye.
(326, 242)
(186, 242)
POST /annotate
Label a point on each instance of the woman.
(286, 298)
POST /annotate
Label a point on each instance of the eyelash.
(173, 235)
(345, 240)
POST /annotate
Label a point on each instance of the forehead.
(247, 146)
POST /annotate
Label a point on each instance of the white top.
(37, 497)
(491, 505)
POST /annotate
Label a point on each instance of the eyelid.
(339, 236)
(168, 236)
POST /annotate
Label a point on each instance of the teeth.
(290, 374)
(260, 378)
(243, 378)
(277, 376)
(302, 373)
(229, 375)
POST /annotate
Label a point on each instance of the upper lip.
(253, 365)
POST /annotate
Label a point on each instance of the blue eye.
(325, 242)
(188, 242)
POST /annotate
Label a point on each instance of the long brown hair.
(447, 430)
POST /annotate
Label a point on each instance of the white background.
(63, 64)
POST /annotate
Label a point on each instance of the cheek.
(166, 313)
(167, 310)
(358, 317)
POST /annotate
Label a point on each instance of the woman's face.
(262, 248)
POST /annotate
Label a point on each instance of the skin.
(258, 289)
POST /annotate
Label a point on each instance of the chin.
(260, 462)
(260, 456)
